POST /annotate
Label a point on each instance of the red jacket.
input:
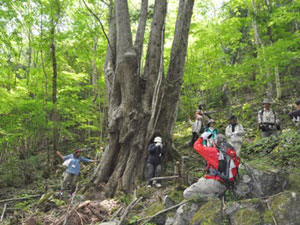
(211, 155)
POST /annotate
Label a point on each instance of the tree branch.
(17, 199)
(102, 27)
(162, 211)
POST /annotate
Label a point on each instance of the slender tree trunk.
(134, 101)
(259, 44)
(54, 88)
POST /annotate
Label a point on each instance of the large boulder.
(209, 213)
(248, 212)
(260, 180)
(286, 207)
(184, 214)
(282, 208)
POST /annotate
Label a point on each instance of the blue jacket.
(74, 166)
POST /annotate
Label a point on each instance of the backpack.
(228, 166)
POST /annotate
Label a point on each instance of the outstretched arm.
(93, 161)
(60, 155)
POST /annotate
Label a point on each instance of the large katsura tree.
(142, 101)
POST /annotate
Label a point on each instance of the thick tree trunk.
(134, 101)
(174, 79)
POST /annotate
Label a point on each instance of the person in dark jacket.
(154, 161)
(295, 115)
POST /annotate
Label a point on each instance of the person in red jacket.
(213, 183)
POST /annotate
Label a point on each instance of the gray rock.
(250, 211)
(185, 213)
(286, 208)
(169, 221)
(168, 202)
(260, 181)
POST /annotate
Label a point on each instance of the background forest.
(52, 86)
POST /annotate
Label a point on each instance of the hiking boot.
(158, 185)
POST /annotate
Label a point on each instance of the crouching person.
(222, 168)
(72, 162)
(154, 161)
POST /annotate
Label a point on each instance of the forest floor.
(40, 203)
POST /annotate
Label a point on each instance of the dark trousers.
(153, 171)
(194, 139)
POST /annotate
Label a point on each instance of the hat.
(297, 102)
(210, 121)
(157, 140)
(233, 117)
(77, 150)
(266, 101)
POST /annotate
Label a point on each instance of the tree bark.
(259, 44)
(135, 101)
(172, 85)
(54, 22)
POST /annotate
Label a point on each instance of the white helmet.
(157, 140)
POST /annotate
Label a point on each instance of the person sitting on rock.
(234, 132)
(154, 161)
(72, 162)
(222, 167)
(211, 129)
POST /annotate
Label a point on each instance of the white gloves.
(158, 144)
(206, 135)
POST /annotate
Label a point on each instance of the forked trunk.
(135, 100)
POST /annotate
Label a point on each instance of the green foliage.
(133, 220)
(154, 208)
(25, 204)
(280, 152)
(176, 195)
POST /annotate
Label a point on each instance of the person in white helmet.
(154, 161)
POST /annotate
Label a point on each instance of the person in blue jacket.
(72, 162)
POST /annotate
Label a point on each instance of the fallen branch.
(68, 210)
(147, 219)
(164, 178)
(18, 199)
(130, 206)
(117, 213)
(2, 216)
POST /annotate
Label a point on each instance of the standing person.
(235, 131)
(211, 129)
(197, 126)
(154, 161)
(222, 167)
(268, 120)
(72, 161)
(295, 115)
